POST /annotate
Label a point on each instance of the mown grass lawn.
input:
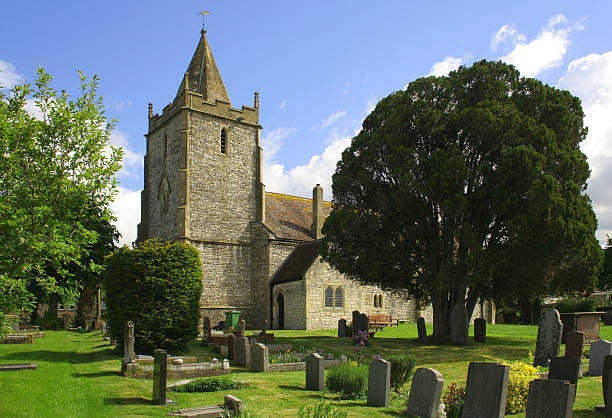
(78, 374)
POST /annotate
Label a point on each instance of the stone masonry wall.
(295, 306)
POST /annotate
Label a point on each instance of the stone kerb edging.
(143, 368)
(260, 362)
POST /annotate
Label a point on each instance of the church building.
(259, 250)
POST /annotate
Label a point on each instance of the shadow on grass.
(127, 401)
(363, 405)
(291, 387)
(97, 374)
(586, 413)
(71, 357)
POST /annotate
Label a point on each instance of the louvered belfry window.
(223, 141)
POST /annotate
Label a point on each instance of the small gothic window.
(380, 301)
(339, 299)
(329, 297)
(376, 301)
(165, 148)
(223, 141)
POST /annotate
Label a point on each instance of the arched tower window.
(223, 141)
(329, 297)
(380, 301)
(339, 299)
(376, 301)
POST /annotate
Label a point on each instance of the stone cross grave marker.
(550, 399)
(242, 351)
(564, 368)
(379, 382)
(422, 330)
(458, 324)
(574, 344)
(231, 347)
(599, 349)
(355, 322)
(480, 330)
(425, 393)
(241, 328)
(259, 358)
(128, 343)
(314, 372)
(548, 343)
(363, 323)
(160, 369)
(486, 390)
(342, 327)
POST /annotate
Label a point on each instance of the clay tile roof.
(290, 217)
(300, 259)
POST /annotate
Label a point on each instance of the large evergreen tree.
(466, 186)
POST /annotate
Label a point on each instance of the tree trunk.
(441, 312)
(53, 301)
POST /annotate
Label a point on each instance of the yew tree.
(464, 187)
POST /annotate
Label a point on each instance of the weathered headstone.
(422, 330)
(605, 371)
(548, 343)
(564, 368)
(259, 358)
(363, 322)
(355, 322)
(265, 328)
(550, 399)
(128, 343)
(425, 393)
(233, 404)
(66, 320)
(231, 347)
(314, 372)
(242, 351)
(160, 369)
(459, 324)
(242, 328)
(342, 328)
(486, 390)
(480, 330)
(599, 349)
(607, 397)
(379, 382)
(206, 327)
(574, 344)
(103, 328)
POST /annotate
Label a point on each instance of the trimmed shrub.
(402, 367)
(157, 285)
(521, 374)
(210, 384)
(50, 321)
(349, 380)
(575, 305)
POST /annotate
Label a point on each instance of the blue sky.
(319, 66)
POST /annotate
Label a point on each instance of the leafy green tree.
(466, 186)
(605, 277)
(54, 166)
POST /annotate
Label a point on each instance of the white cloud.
(8, 76)
(544, 52)
(119, 105)
(590, 78)
(346, 88)
(283, 104)
(445, 66)
(132, 161)
(273, 141)
(126, 207)
(333, 117)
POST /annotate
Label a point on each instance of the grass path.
(78, 375)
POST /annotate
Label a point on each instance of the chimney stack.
(317, 211)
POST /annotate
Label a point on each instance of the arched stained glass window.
(339, 299)
(329, 297)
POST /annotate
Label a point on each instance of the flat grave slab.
(18, 366)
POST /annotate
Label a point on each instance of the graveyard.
(79, 374)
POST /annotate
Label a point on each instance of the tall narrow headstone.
(364, 322)
(104, 328)
(314, 372)
(160, 369)
(608, 397)
(422, 330)
(459, 324)
(265, 328)
(242, 351)
(66, 320)
(425, 393)
(574, 344)
(486, 390)
(231, 347)
(342, 327)
(480, 330)
(206, 330)
(242, 328)
(259, 358)
(355, 322)
(379, 382)
(548, 343)
(605, 371)
(599, 349)
(128, 343)
(550, 399)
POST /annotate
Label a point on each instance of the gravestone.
(206, 327)
(379, 382)
(314, 372)
(242, 351)
(574, 344)
(66, 320)
(598, 350)
(363, 322)
(458, 324)
(259, 358)
(548, 343)
(355, 322)
(480, 330)
(231, 347)
(128, 343)
(605, 371)
(550, 399)
(160, 369)
(265, 328)
(103, 328)
(422, 330)
(342, 328)
(241, 328)
(564, 368)
(486, 390)
(425, 393)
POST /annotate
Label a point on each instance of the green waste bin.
(232, 318)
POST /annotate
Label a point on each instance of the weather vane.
(203, 14)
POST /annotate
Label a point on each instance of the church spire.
(203, 76)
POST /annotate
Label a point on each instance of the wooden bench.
(379, 321)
